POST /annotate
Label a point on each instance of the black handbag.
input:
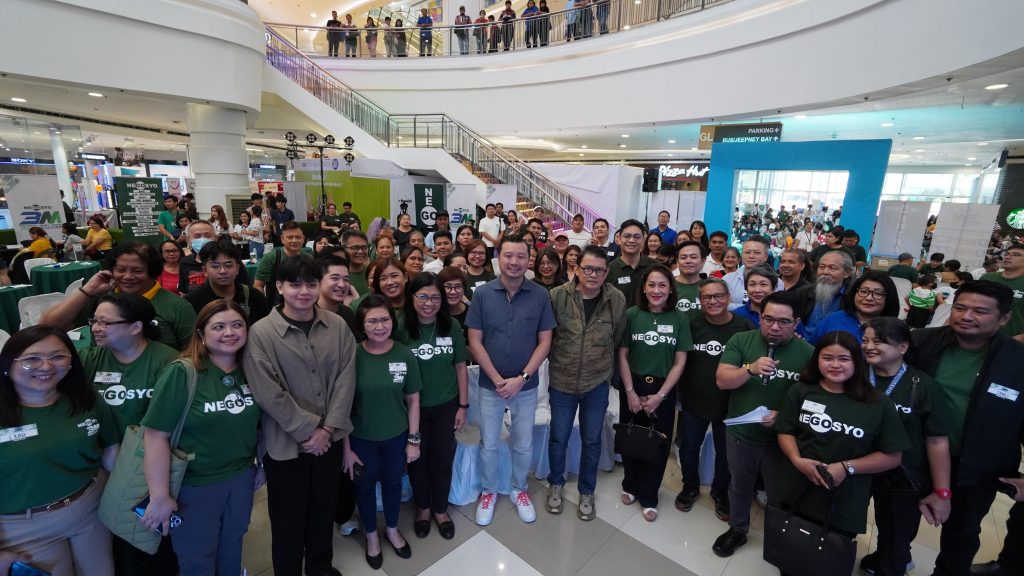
(798, 546)
(640, 442)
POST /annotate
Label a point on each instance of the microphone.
(771, 354)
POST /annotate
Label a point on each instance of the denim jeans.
(523, 407)
(592, 405)
(602, 16)
(463, 43)
(691, 434)
(384, 462)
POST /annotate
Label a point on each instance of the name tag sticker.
(479, 283)
(245, 390)
(625, 280)
(446, 341)
(675, 272)
(396, 367)
(811, 406)
(664, 329)
(108, 377)
(1003, 392)
(18, 433)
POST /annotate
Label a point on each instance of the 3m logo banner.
(35, 201)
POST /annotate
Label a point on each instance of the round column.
(217, 155)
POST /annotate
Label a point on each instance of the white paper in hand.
(755, 416)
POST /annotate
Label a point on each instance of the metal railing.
(424, 131)
(585, 20)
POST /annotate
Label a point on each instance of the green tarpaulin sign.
(429, 200)
(140, 201)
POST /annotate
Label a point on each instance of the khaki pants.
(66, 542)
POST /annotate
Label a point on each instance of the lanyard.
(895, 379)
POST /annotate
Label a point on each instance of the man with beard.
(818, 300)
(755, 253)
(791, 269)
(689, 262)
(978, 369)
(718, 240)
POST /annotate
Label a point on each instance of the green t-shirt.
(437, 362)
(831, 428)
(1016, 324)
(168, 219)
(221, 426)
(654, 339)
(359, 282)
(906, 272)
(175, 318)
(957, 372)
(52, 454)
(383, 381)
(747, 347)
(689, 297)
(698, 393)
(924, 412)
(929, 269)
(126, 388)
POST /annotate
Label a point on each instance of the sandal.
(650, 514)
(627, 498)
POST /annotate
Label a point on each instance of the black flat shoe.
(727, 543)
(404, 551)
(375, 562)
(446, 528)
(421, 528)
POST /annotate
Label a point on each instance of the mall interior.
(894, 111)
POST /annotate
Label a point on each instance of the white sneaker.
(348, 527)
(524, 506)
(485, 509)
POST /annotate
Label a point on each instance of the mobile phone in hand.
(23, 569)
(140, 511)
(826, 475)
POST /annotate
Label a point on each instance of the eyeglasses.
(170, 251)
(217, 266)
(357, 248)
(105, 323)
(631, 236)
(453, 288)
(782, 322)
(721, 297)
(593, 270)
(875, 294)
(35, 362)
(423, 298)
(374, 322)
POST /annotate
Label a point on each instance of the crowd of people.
(334, 372)
(482, 35)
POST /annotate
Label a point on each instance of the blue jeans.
(593, 405)
(523, 407)
(216, 518)
(383, 461)
(692, 431)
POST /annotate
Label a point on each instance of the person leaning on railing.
(426, 25)
(480, 32)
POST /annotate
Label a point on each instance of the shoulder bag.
(640, 442)
(127, 484)
(798, 546)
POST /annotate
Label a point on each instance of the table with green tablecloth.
(57, 277)
(9, 316)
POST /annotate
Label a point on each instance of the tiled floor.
(618, 543)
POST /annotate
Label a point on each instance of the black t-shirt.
(251, 300)
(698, 393)
(589, 305)
(191, 275)
(304, 325)
(924, 411)
(402, 238)
(859, 254)
(820, 251)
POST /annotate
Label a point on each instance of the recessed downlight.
(19, 100)
(625, 135)
(888, 124)
(996, 86)
(96, 94)
(918, 137)
(671, 141)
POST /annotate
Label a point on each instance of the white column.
(60, 164)
(217, 155)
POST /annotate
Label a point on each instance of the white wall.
(204, 50)
(611, 190)
(757, 55)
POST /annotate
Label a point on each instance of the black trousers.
(1012, 556)
(641, 478)
(346, 504)
(960, 534)
(130, 561)
(301, 498)
(431, 474)
(897, 519)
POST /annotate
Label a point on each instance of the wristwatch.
(850, 470)
(943, 493)
(526, 376)
(415, 439)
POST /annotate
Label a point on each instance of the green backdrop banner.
(370, 197)
(139, 202)
(429, 200)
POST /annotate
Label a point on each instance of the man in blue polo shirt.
(510, 324)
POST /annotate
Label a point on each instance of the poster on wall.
(428, 200)
(962, 232)
(900, 228)
(140, 201)
(35, 201)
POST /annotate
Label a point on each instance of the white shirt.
(434, 266)
(711, 266)
(492, 226)
(581, 238)
(738, 289)
(805, 240)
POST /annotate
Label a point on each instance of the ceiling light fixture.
(312, 14)
(625, 135)
(584, 146)
(626, 27)
(16, 99)
(972, 159)
(888, 124)
(918, 150)
(95, 94)
(671, 155)
(982, 143)
(671, 141)
(800, 116)
(996, 86)
(693, 149)
(581, 154)
(622, 145)
(918, 137)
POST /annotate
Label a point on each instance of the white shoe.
(524, 506)
(485, 509)
(762, 498)
(348, 527)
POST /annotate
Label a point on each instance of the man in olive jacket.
(591, 318)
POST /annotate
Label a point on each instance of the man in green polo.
(1012, 275)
